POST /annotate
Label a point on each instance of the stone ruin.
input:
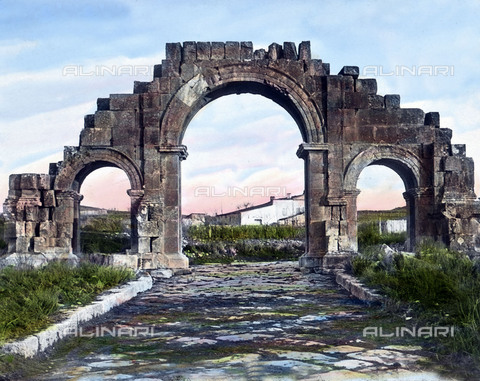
(344, 126)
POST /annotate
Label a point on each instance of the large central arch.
(344, 125)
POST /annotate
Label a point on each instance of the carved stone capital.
(179, 150)
(305, 148)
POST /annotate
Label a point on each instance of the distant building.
(272, 212)
(393, 226)
(89, 212)
(194, 219)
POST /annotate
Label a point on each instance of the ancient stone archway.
(344, 124)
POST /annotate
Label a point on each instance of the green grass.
(439, 286)
(31, 298)
(368, 216)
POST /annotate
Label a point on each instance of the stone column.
(315, 157)
(351, 220)
(76, 239)
(136, 197)
(64, 217)
(410, 198)
(171, 156)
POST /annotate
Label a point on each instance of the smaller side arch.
(79, 164)
(405, 163)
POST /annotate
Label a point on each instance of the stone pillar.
(412, 215)
(171, 156)
(351, 219)
(315, 157)
(64, 217)
(136, 197)
(76, 239)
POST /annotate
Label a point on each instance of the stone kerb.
(37, 343)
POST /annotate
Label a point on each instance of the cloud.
(12, 48)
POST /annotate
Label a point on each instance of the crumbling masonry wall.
(344, 127)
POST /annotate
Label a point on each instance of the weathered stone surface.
(344, 124)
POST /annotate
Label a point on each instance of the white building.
(265, 214)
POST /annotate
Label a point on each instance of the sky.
(58, 57)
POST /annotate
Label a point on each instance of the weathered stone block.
(89, 121)
(32, 194)
(104, 119)
(23, 244)
(289, 51)
(124, 101)
(10, 229)
(144, 245)
(28, 181)
(189, 52)
(304, 52)
(39, 245)
(376, 102)
(14, 193)
(164, 85)
(157, 71)
(218, 51)
(14, 182)
(169, 69)
(259, 55)
(30, 228)
(157, 245)
(151, 135)
(31, 213)
(150, 100)
(148, 229)
(459, 150)
(96, 137)
(63, 243)
(432, 119)
(351, 71)
(64, 230)
(204, 51)
(356, 100)
(366, 86)
(392, 101)
(246, 50)
(19, 228)
(48, 199)
(103, 104)
(43, 214)
(275, 52)
(48, 229)
(173, 52)
(232, 50)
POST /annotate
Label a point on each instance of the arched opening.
(382, 214)
(404, 164)
(242, 167)
(104, 223)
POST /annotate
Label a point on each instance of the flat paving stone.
(239, 322)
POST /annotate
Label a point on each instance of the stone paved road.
(238, 322)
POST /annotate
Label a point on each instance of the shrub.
(208, 233)
(30, 297)
(369, 235)
(437, 282)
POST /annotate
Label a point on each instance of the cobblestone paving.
(238, 322)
